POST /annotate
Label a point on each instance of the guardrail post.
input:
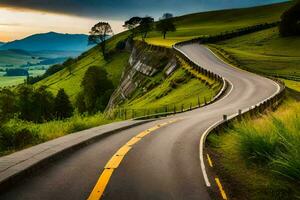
(198, 101)
(182, 107)
(240, 111)
(174, 109)
(225, 117)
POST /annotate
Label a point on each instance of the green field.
(15, 58)
(265, 52)
(6, 81)
(71, 81)
(214, 22)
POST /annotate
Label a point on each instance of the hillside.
(265, 52)
(71, 81)
(50, 41)
(213, 22)
(188, 26)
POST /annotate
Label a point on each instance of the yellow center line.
(209, 160)
(116, 160)
(221, 188)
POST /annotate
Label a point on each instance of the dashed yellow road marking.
(143, 134)
(116, 160)
(223, 194)
(123, 150)
(209, 160)
(133, 141)
(101, 185)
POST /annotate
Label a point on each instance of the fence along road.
(164, 164)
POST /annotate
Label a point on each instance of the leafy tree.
(290, 21)
(7, 104)
(99, 34)
(132, 24)
(80, 103)
(97, 89)
(166, 16)
(62, 105)
(165, 26)
(43, 102)
(25, 102)
(146, 25)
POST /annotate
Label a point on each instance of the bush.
(290, 21)
(14, 138)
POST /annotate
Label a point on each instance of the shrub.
(290, 21)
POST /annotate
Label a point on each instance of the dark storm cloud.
(120, 9)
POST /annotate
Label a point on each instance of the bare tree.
(99, 34)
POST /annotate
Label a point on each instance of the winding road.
(164, 164)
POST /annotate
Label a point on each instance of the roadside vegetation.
(18, 134)
(259, 158)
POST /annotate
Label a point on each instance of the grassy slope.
(71, 82)
(214, 22)
(259, 158)
(176, 90)
(266, 52)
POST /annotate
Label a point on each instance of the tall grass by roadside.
(275, 143)
(262, 155)
(17, 134)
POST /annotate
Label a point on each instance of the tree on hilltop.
(99, 34)
(165, 26)
(290, 21)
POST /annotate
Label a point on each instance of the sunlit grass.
(177, 90)
(18, 134)
(262, 154)
(265, 52)
(215, 22)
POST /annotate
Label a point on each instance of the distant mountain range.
(50, 42)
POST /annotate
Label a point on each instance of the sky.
(21, 18)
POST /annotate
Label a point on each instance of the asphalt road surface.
(162, 165)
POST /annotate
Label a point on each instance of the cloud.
(121, 9)
(9, 24)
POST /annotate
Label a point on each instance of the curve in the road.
(165, 164)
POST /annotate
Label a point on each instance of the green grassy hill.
(71, 81)
(179, 89)
(265, 52)
(214, 22)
